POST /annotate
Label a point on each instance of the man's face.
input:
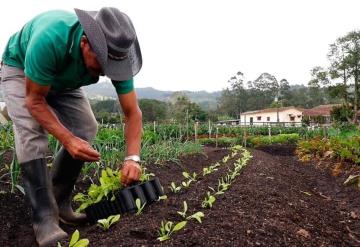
(89, 57)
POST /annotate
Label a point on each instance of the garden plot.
(274, 201)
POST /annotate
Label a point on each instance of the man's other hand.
(130, 172)
(81, 150)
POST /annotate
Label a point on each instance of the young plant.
(145, 176)
(105, 224)
(109, 183)
(163, 198)
(183, 213)
(174, 188)
(197, 216)
(226, 158)
(192, 177)
(208, 200)
(75, 240)
(139, 206)
(186, 184)
(167, 228)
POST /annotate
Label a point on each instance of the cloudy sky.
(200, 44)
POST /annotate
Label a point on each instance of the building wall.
(284, 116)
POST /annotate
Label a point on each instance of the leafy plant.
(105, 224)
(109, 183)
(197, 215)
(183, 213)
(190, 177)
(163, 198)
(139, 206)
(167, 228)
(208, 200)
(174, 188)
(75, 240)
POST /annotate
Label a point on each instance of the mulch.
(276, 201)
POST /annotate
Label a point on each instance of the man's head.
(90, 60)
(110, 44)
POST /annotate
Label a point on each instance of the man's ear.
(83, 41)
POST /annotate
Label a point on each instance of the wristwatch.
(135, 158)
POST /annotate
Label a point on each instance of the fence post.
(123, 130)
(245, 136)
(154, 126)
(269, 127)
(216, 136)
(195, 129)
(209, 129)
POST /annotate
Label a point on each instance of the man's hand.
(81, 150)
(130, 172)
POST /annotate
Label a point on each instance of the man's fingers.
(124, 175)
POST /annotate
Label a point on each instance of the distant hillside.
(105, 89)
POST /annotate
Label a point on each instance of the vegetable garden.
(215, 191)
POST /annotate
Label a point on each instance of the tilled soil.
(276, 201)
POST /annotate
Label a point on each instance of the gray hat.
(112, 37)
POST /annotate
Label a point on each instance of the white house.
(288, 116)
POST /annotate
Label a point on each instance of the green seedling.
(183, 213)
(190, 177)
(208, 200)
(167, 228)
(186, 184)
(210, 169)
(139, 206)
(174, 188)
(163, 198)
(145, 176)
(226, 158)
(197, 216)
(105, 224)
(75, 240)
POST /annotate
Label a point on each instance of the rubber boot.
(66, 170)
(38, 190)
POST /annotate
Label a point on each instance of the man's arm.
(131, 170)
(36, 104)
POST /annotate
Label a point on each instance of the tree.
(183, 110)
(153, 110)
(345, 63)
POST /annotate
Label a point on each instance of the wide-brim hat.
(113, 39)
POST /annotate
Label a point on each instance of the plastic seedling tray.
(124, 202)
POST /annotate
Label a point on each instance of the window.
(292, 118)
(259, 118)
(268, 119)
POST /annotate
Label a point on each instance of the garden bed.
(276, 200)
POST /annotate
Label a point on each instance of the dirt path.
(276, 201)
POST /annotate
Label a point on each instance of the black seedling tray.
(124, 202)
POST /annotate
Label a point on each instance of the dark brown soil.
(276, 201)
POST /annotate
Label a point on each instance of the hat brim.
(117, 70)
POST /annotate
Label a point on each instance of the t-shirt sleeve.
(40, 60)
(124, 87)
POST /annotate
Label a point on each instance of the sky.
(199, 44)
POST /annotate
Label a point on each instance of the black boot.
(38, 190)
(65, 173)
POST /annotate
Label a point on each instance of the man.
(44, 66)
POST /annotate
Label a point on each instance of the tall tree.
(351, 44)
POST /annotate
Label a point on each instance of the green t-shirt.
(48, 50)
